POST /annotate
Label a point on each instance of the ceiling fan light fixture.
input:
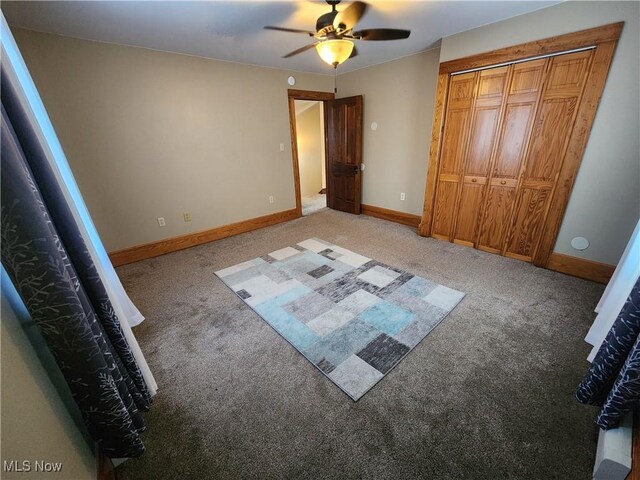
(334, 51)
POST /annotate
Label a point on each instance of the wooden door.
(531, 140)
(520, 107)
(459, 104)
(491, 85)
(555, 118)
(506, 132)
(344, 153)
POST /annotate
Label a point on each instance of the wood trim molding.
(391, 215)
(294, 154)
(424, 228)
(310, 95)
(579, 267)
(104, 466)
(547, 46)
(149, 250)
(292, 96)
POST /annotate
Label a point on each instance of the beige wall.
(399, 97)
(152, 134)
(310, 157)
(605, 202)
(35, 423)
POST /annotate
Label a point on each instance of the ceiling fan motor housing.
(324, 24)
(335, 29)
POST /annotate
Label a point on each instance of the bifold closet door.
(459, 104)
(555, 118)
(485, 117)
(520, 107)
(506, 132)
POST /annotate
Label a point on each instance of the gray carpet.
(487, 395)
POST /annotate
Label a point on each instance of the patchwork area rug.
(352, 317)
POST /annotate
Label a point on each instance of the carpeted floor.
(351, 316)
(313, 204)
(487, 395)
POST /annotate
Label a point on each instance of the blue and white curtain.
(46, 257)
(613, 380)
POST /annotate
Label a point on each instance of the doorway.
(311, 155)
(312, 167)
(342, 147)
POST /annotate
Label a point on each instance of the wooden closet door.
(552, 128)
(456, 127)
(520, 107)
(475, 172)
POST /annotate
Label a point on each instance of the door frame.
(604, 40)
(292, 96)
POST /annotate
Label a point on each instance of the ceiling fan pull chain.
(335, 79)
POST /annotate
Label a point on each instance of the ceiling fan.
(334, 33)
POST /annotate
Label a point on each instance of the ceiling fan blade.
(382, 34)
(346, 19)
(354, 53)
(291, 30)
(300, 50)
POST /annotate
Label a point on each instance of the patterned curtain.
(613, 380)
(46, 258)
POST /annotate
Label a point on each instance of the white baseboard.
(613, 456)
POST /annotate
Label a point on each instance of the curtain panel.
(45, 255)
(617, 291)
(17, 73)
(613, 380)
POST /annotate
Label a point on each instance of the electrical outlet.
(270, 198)
(282, 147)
(403, 197)
(187, 216)
(161, 222)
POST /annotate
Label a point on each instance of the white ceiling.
(232, 30)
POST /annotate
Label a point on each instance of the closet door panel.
(551, 131)
(496, 218)
(470, 201)
(527, 78)
(456, 128)
(550, 136)
(523, 93)
(482, 140)
(528, 222)
(515, 132)
(453, 146)
(481, 143)
(569, 73)
(444, 209)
